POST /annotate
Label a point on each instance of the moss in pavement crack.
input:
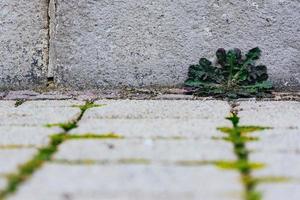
(67, 126)
(238, 136)
(19, 102)
(85, 107)
(27, 169)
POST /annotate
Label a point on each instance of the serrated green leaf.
(253, 54)
(221, 56)
(235, 76)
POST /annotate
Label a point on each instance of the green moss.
(73, 124)
(253, 195)
(28, 168)
(241, 139)
(45, 154)
(239, 136)
(241, 165)
(19, 102)
(242, 129)
(85, 107)
(65, 126)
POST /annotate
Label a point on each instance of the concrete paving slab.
(23, 44)
(278, 164)
(6, 104)
(280, 191)
(160, 109)
(153, 150)
(10, 159)
(151, 128)
(39, 113)
(130, 182)
(278, 114)
(162, 132)
(153, 118)
(277, 141)
(51, 103)
(25, 136)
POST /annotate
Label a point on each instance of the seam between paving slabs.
(239, 136)
(27, 169)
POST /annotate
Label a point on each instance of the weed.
(239, 136)
(234, 75)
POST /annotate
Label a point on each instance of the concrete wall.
(23, 43)
(109, 43)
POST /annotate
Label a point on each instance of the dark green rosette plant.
(234, 75)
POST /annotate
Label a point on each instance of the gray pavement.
(167, 151)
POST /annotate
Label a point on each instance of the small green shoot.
(239, 136)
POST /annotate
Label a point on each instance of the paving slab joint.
(27, 169)
(239, 136)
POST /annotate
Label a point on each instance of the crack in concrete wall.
(51, 24)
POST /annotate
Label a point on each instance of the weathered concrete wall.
(23, 43)
(152, 42)
(108, 43)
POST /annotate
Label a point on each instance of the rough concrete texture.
(39, 113)
(130, 182)
(6, 105)
(277, 141)
(276, 114)
(25, 125)
(151, 150)
(10, 159)
(150, 128)
(152, 43)
(159, 118)
(52, 104)
(277, 148)
(280, 165)
(280, 191)
(25, 136)
(23, 43)
(159, 109)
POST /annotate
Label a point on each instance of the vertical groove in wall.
(48, 34)
(51, 11)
